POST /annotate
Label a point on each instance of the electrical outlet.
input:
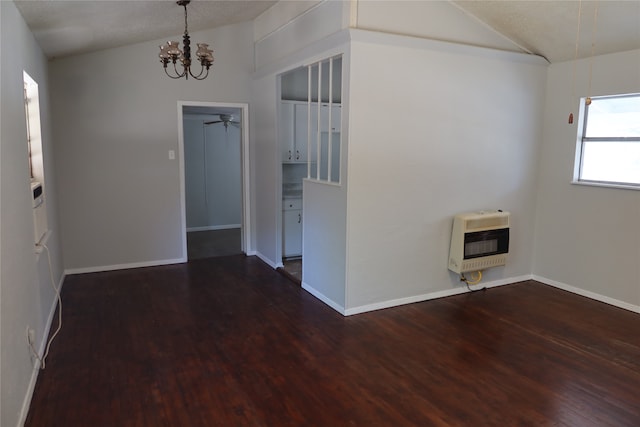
(31, 343)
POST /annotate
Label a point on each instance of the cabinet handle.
(299, 218)
(289, 154)
(297, 155)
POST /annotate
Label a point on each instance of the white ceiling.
(550, 27)
(547, 28)
(65, 27)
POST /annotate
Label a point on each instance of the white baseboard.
(460, 290)
(331, 303)
(588, 294)
(124, 266)
(26, 403)
(431, 295)
(214, 227)
(267, 260)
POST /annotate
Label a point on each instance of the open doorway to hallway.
(214, 179)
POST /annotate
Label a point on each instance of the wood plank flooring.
(213, 243)
(230, 342)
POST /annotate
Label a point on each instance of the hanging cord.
(57, 291)
(593, 46)
(472, 282)
(575, 60)
(204, 164)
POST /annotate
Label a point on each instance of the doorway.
(309, 138)
(213, 148)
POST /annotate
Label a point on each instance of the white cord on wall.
(57, 291)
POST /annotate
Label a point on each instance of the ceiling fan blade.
(213, 122)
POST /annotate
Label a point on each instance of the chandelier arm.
(182, 74)
(199, 74)
(198, 77)
(173, 77)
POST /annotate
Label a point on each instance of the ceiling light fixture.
(170, 53)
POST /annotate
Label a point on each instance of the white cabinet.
(296, 128)
(336, 117)
(286, 131)
(292, 228)
(302, 127)
(307, 126)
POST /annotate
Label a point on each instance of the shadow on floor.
(292, 269)
(213, 243)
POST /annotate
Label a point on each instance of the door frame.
(245, 239)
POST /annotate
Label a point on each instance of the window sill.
(607, 185)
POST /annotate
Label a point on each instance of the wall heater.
(479, 240)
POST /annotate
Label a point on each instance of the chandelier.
(171, 53)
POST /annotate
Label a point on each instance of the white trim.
(328, 301)
(605, 184)
(26, 403)
(286, 24)
(333, 44)
(381, 38)
(246, 169)
(214, 227)
(97, 269)
(267, 261)
(588, 294)
(431, 295)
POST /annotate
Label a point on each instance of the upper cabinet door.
(336, 119)
(286, 131)
(306, 127)
(317, 120)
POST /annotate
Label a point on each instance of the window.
(35, 158)
(609, 142)
(324, 120)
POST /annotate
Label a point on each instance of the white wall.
(281, 50)
(265, 157)
(586, 237)
(283, 38)
(397, 219)
(213, 176)
(435, 129)
(26, 293)
(115, 117)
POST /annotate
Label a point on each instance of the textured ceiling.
(70, 27)
(544, 27)
(549, 28)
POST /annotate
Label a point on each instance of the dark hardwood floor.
(213, 243)
(230, 342)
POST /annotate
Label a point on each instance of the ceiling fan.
(225, 119)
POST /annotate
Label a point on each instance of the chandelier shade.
(170, 53)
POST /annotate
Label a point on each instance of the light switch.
(172, 154)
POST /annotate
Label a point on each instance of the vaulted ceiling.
(78, 26)
(548, 28)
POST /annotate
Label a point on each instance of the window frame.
(315, 171)
(582, 139)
